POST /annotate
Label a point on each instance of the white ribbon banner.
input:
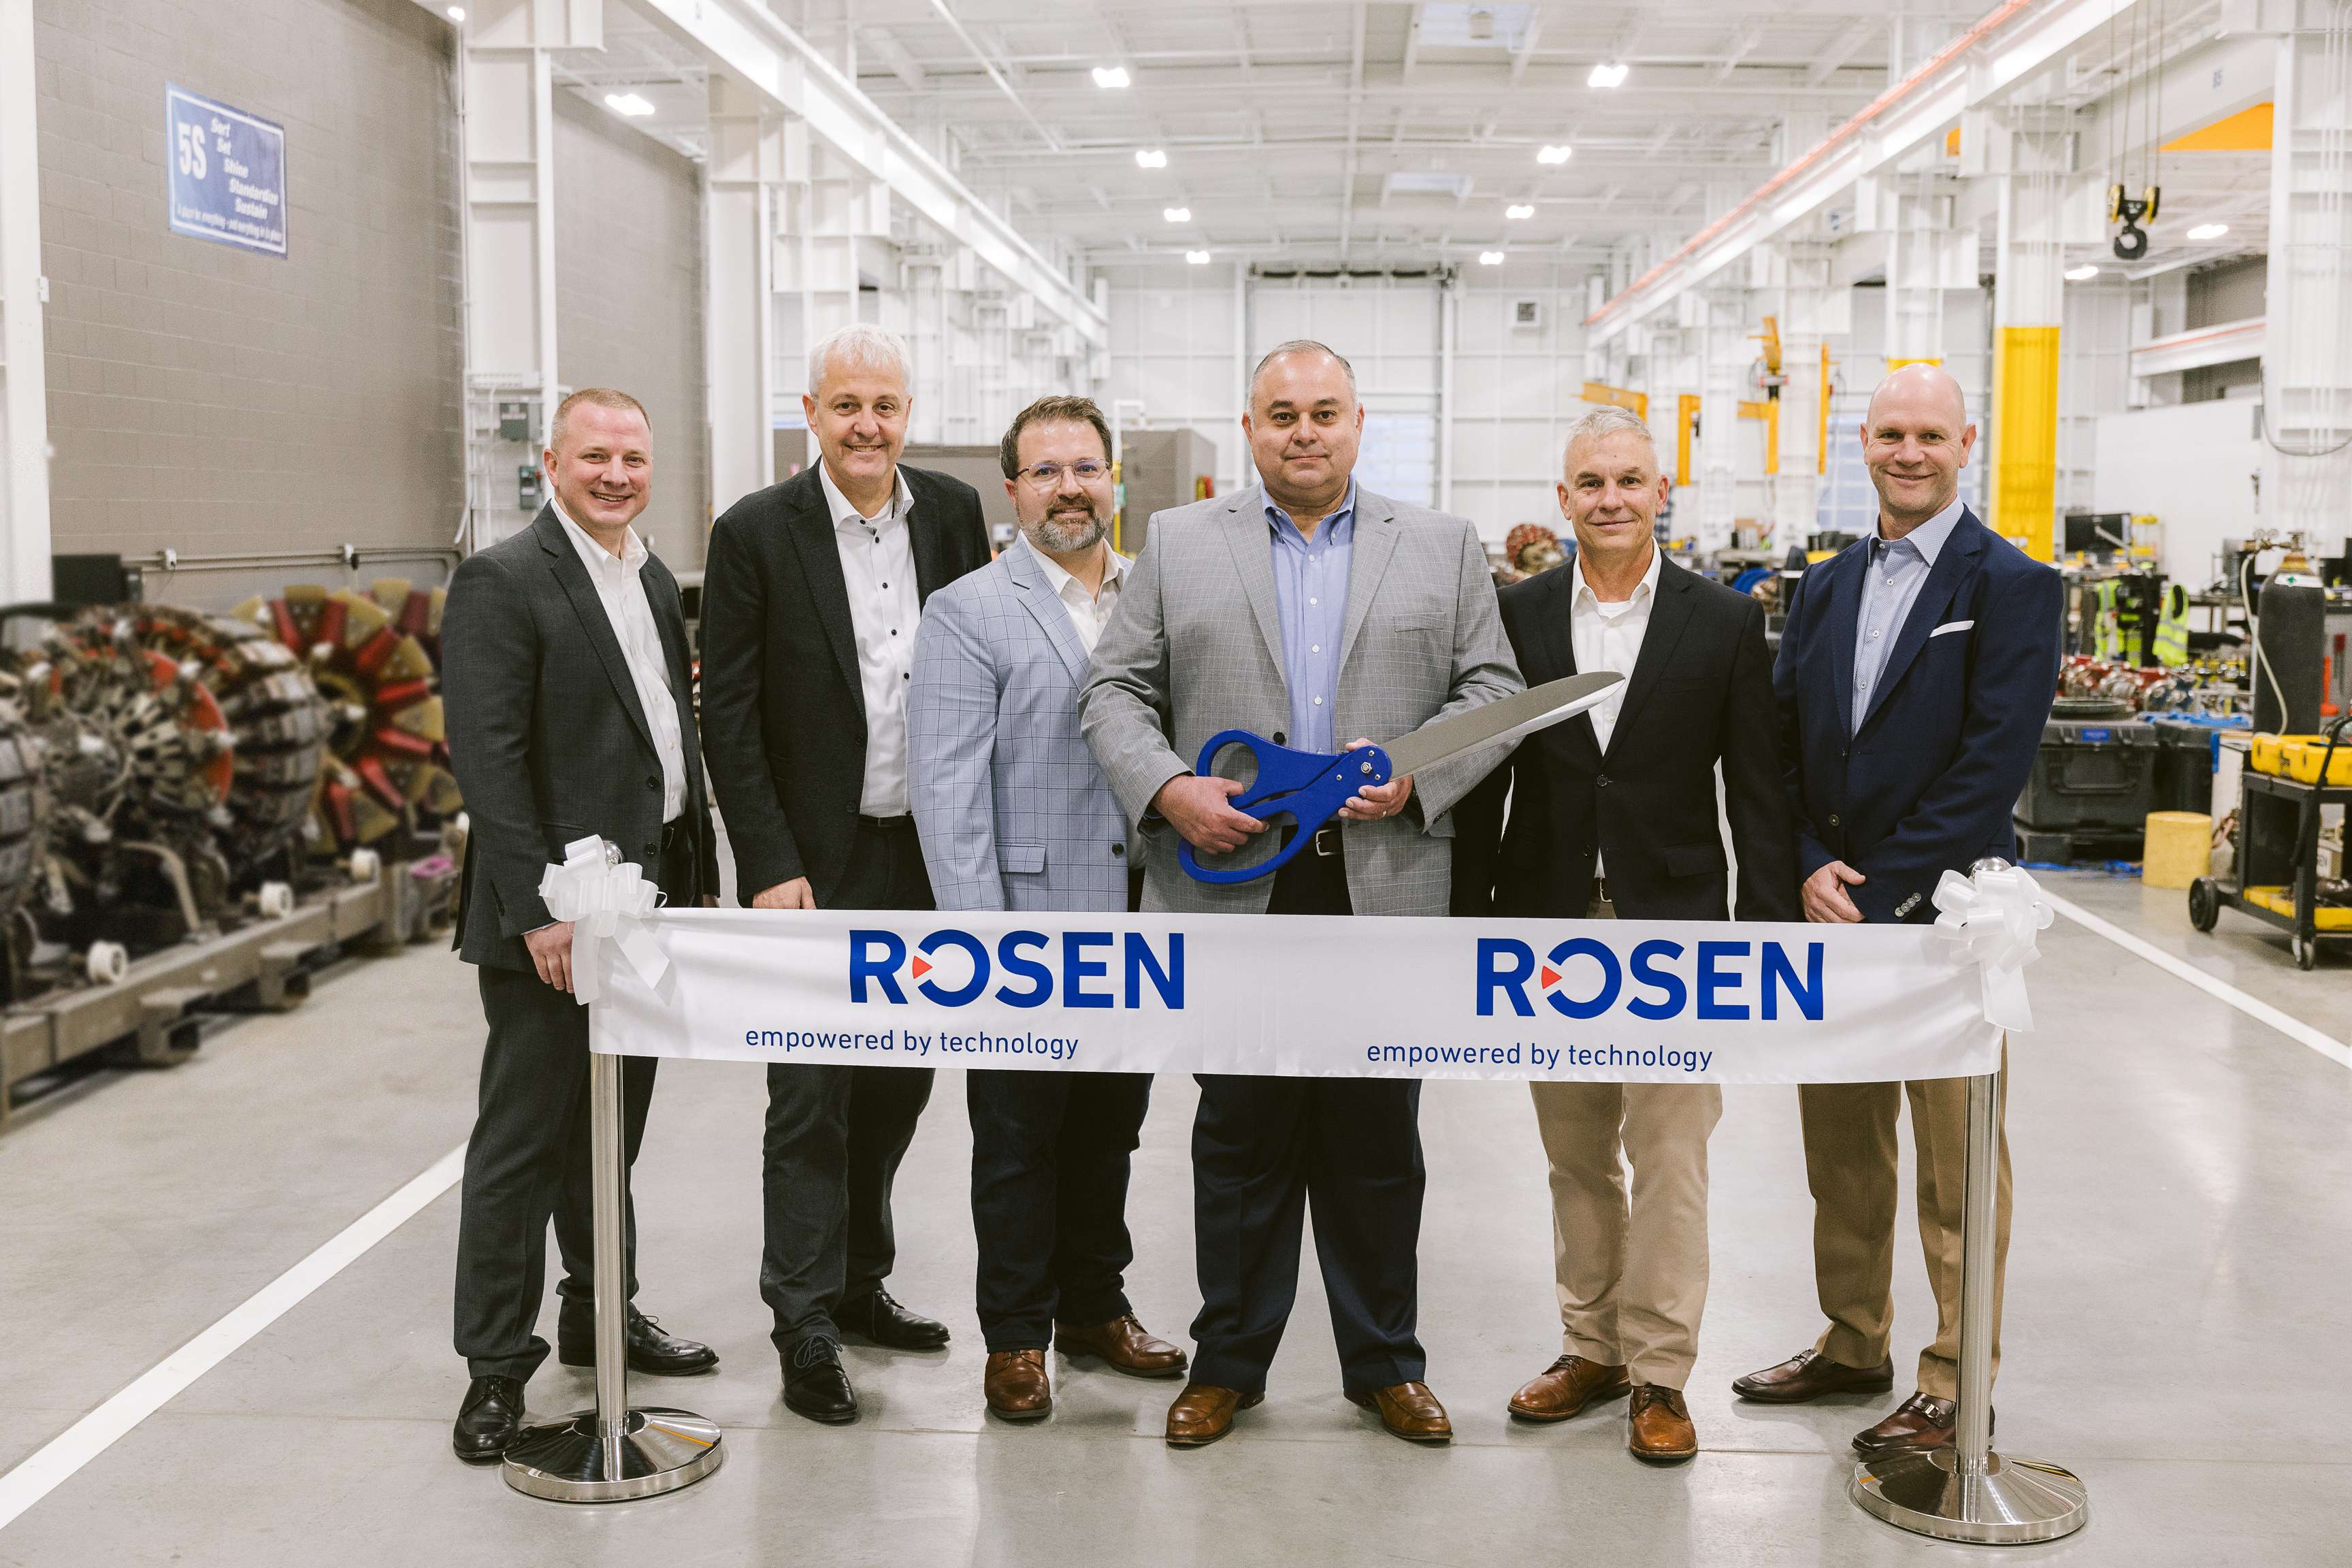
(1626, 1001)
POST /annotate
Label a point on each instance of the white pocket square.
(1950, 627)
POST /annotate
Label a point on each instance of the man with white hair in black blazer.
(811, 596)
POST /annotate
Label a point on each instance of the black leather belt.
(673, 832)
(1326, 840)
(886, 824)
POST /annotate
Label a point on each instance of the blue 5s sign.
(225, 173)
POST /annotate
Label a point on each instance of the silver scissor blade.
(1511, 718)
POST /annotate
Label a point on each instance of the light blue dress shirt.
(1310, 596)
(1890, 586)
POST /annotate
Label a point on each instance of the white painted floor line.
(2262, 1012)
(95, 1432)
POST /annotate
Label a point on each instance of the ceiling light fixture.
(1177, 215)
(1110, 76)
(628, 104)
(1608, 73)
(2209, 231)
(1197, 258)
(457, 13)
(1151, 158)
(1518, 210)
(1556, 153)
(2082, 274)
(1490, 258)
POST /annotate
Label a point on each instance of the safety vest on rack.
(2172, 628)
(2107, 629)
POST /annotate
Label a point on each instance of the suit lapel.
(1052, 615)
(1845, 586)
(1254, 563)
(669, 618)
(1556, 628)
(1962, 547)
(571, 575)
(1670, 611)
(1368, 558)
(811, 530)
(923, 537)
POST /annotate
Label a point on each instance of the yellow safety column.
(2031, 164)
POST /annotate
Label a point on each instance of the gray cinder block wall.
(629, 302)
(212, 400)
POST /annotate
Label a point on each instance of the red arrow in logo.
(922, 966)
(1550, 975)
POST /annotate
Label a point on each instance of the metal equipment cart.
(2276, 860)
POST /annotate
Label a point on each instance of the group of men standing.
(893, 721)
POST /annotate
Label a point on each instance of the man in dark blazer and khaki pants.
(1614, 813)
(1915, 672)
(569, 695)
(811, 597)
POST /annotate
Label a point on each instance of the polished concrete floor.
(2179, 1330)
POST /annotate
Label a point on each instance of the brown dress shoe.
(1658, 1425)
(1124, 1345)
(1205, 1412)
(1016, 1385)
(1919, 1424)
(1409, 1411)
(1809, 1374)
(1565, 1387)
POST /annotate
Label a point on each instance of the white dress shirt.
(877, 564)
(622, 590)
(1090, 613)
(1608, 636)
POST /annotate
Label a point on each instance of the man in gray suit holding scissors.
(1355, 614)
(1013, 814)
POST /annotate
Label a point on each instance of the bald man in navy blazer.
(1915, 672)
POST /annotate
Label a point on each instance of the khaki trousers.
(1850, 1163)
(1632, 1275)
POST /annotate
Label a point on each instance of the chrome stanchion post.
(611, 1454)
(1968, 1492)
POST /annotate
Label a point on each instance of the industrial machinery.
(177, 753)
(375, 656)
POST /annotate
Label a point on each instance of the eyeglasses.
(1046, 476)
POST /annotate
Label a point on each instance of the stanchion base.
(2017, 1500)
(564, 1462)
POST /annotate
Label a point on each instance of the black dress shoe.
(817, 1386)
(651, 1351)
(881, 1320)
(490, 1420)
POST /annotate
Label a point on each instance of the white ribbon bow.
(1997, 913)
(604, 899)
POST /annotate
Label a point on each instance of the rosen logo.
(1718, 975)
(954, 968)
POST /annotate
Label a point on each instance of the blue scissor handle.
(1310, 786)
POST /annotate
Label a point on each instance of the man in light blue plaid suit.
(1012, 813)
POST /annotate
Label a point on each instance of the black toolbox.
(2092, 776)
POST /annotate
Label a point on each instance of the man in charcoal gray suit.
(1317, 614)
(569, 697)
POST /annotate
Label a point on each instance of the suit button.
(1119, 850)
(1602, 781)
(652, 850)
(1834, 820)
(653, 780)
(1280, 739)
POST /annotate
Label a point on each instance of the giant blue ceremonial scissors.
(1311, 786)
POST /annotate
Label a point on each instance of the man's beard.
(1066, 535)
